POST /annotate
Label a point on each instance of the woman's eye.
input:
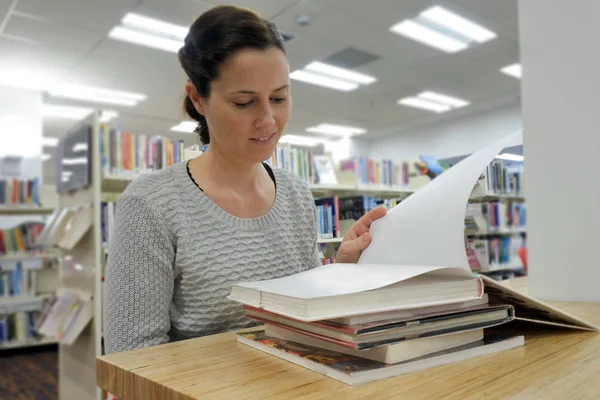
(278, 99)
(243, 105)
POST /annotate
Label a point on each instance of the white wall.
(21, 135)
(561, 93)
(450, 138)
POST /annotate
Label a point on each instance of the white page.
(339, 279)
(428, 227)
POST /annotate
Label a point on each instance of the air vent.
(286, 36)
(350, 58)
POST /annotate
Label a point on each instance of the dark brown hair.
(215, 35)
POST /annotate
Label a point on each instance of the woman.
(185, 234)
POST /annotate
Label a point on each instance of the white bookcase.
(43, 263)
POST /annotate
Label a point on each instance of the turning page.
(428, 227)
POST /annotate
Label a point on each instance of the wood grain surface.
(553, 364)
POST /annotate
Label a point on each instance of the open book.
(416, 259)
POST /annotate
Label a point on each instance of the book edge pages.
(382, 275)
(352, 313)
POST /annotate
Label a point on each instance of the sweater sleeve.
(139, 278)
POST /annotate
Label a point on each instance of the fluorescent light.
(49, 141)
(46, 157)
(513, 70)
(145, 39)
(458, 24)
(454, 102)
(301, 140)
(424, 104)
(155, 25)
(185, 126)
(150, 32)
(510, 157)
(428, 36)
(338, 72)
(65, 112)
(108, 115)
(97, 95)
(320, 80)
(336, 130)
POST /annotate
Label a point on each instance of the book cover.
(354, 370)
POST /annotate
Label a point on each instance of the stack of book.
(410, 302)
(377, 321)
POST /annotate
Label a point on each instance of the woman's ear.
(193, 94)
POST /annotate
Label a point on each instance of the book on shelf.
(17, 281)
(19, 328)
(20, 239)
(124, 153)
(501, 177)
(19, 192)
(497, 217)
(381, 172)
(295, 159)
(410, 302)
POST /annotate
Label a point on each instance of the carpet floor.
(29, 374)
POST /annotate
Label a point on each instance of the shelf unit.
(24, 210)
(43, 262)
(22, 345)
(78, 353)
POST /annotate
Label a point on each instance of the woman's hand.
(358, 238)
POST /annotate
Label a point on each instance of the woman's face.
(249, 104)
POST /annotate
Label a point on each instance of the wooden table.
(553, 364)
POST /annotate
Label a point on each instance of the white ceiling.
(66, 40)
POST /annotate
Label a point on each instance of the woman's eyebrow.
(252, 92)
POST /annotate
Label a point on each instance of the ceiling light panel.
(108, 115)
(324, 81)
(154, 25)
(97, 95)
(341, 73)
(301, 140)
(444, 30)
(458, 24)
(150, 32)
(336, 130)
(432, 101)
(185, 127)
(454, 102)
(65, 112)
(415, 102)
(145, 39)
(428, 36)
(514, 70)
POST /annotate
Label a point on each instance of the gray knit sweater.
(174, 255)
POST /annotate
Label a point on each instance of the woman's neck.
(218, 168)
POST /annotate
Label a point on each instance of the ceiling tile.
(52, 34)
(4, 7)
(269, 9)
(89, 15)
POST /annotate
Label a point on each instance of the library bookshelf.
(29, 277)
(115, 160)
